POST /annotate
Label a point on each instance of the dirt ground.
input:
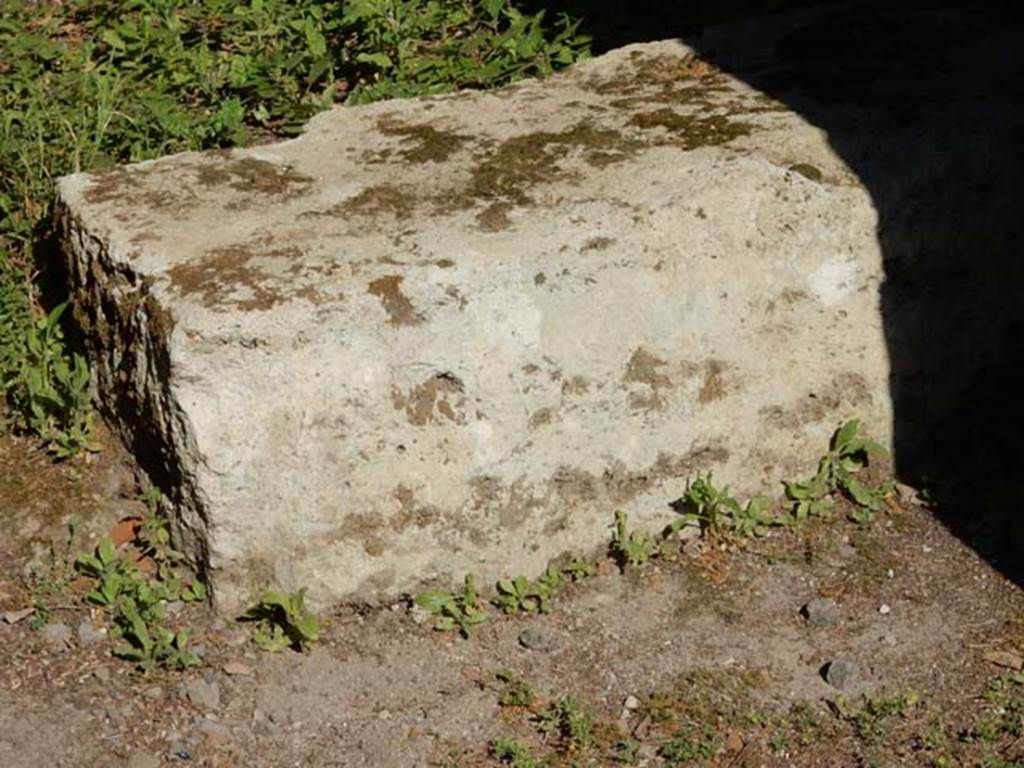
(704, 660)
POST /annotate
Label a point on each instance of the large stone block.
(457, 333)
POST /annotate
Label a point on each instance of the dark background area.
(924, 101)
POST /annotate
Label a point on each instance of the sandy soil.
(711, 646)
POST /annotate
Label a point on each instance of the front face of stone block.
(457, 334)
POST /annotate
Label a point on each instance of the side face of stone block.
(456, 334)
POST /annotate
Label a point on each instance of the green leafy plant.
(715, 511)
(517, 692)
(577, 569)
(515, 754)
(136, 604)
(691, 744)
(849, 453)
(421, 46)
(283, 621)
(566, 720)
(48, 388)
(520, 594)
(626, 752)
(631, 547)
(461, 610)
(1004, 713)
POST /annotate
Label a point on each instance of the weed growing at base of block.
(136, 601)
(459, 610)
(716, 512)
(631, 547)
(849, 453)
(283, 621)
(522, 595)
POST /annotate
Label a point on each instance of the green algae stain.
(523, 161)
(808, 171)
(250, 174)
(422, 143)
(691, 131)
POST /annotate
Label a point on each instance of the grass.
(87, 84)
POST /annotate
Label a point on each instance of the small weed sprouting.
(136, 602)
(625, 752)
(577, 569)
(1005, 716)
(516, 693)
(691, 744)
(515, 754)
(460, 610)
(566, 720)
(522, 595)
(871, 718)
(716, 512)
(283, 621)
(849, 453)
(631, 547)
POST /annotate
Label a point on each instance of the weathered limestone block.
(456, 334)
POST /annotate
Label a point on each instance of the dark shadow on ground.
(924, 101)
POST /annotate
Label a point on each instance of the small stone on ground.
(841, 673)
(821, 612)
(536, 639)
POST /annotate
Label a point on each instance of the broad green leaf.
(434, 601)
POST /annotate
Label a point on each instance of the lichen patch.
(690, 131)
(509, 172)
(252, 175)
(381, 199)
(422, 143)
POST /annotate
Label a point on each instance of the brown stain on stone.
(400, 310)
(618, 484)
(411, 513)
(661, 76)
(439, 398)
(849, 389)
(597, 244)
(512, 503)
(541, 417)
(216, 276)
(365, 529)
(713, 387)
(250, 174)
(494, 218)
(575, 386)
(645, 369)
